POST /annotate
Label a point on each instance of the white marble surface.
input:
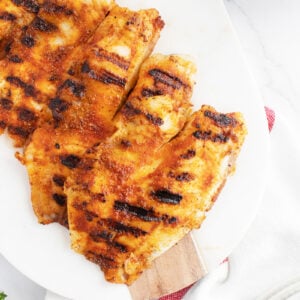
(269, 31)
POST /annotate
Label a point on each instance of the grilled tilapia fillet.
(107, 219)
(175, 197)
(84, 108)
(32, 72)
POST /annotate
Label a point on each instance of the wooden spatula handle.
(179, 267)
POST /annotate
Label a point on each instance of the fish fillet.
(84, 108)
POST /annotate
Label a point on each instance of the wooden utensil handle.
(177, 268)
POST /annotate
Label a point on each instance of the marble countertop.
(269, 31)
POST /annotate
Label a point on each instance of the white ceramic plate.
(201, 29)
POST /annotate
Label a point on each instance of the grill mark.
(107, 78)
(70, 161)
(60, 199)
(2, 124)
(147, 215)
(57, 107)
(103, 76)
(19, 131)
(166, 79)
(76, 88)
(103, 261)
(53, 78)
(189, 154)
(113, 58)
(124, 229)
(172, 220)
(154, 120)
(29, 5)
(6, 16)
(106, 236)
(56, 9)
(85, 68)
(122, 248)
(8, 47)
(15, 59)
(71, 72)
(43, 25)
(165, 196)
(220, 138)
(6, 104)
(26, 115)
(129, 110)
(59, 180)
(27, 41)
(184, 177)
(89, 215)
(169, 219)
(126, 143)
(202, 135)
(151, 93)
(101, 235)
(221, 120)
(207, 135)
(28, 89)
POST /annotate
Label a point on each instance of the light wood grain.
(177, 268)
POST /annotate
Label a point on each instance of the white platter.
(201, 29)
